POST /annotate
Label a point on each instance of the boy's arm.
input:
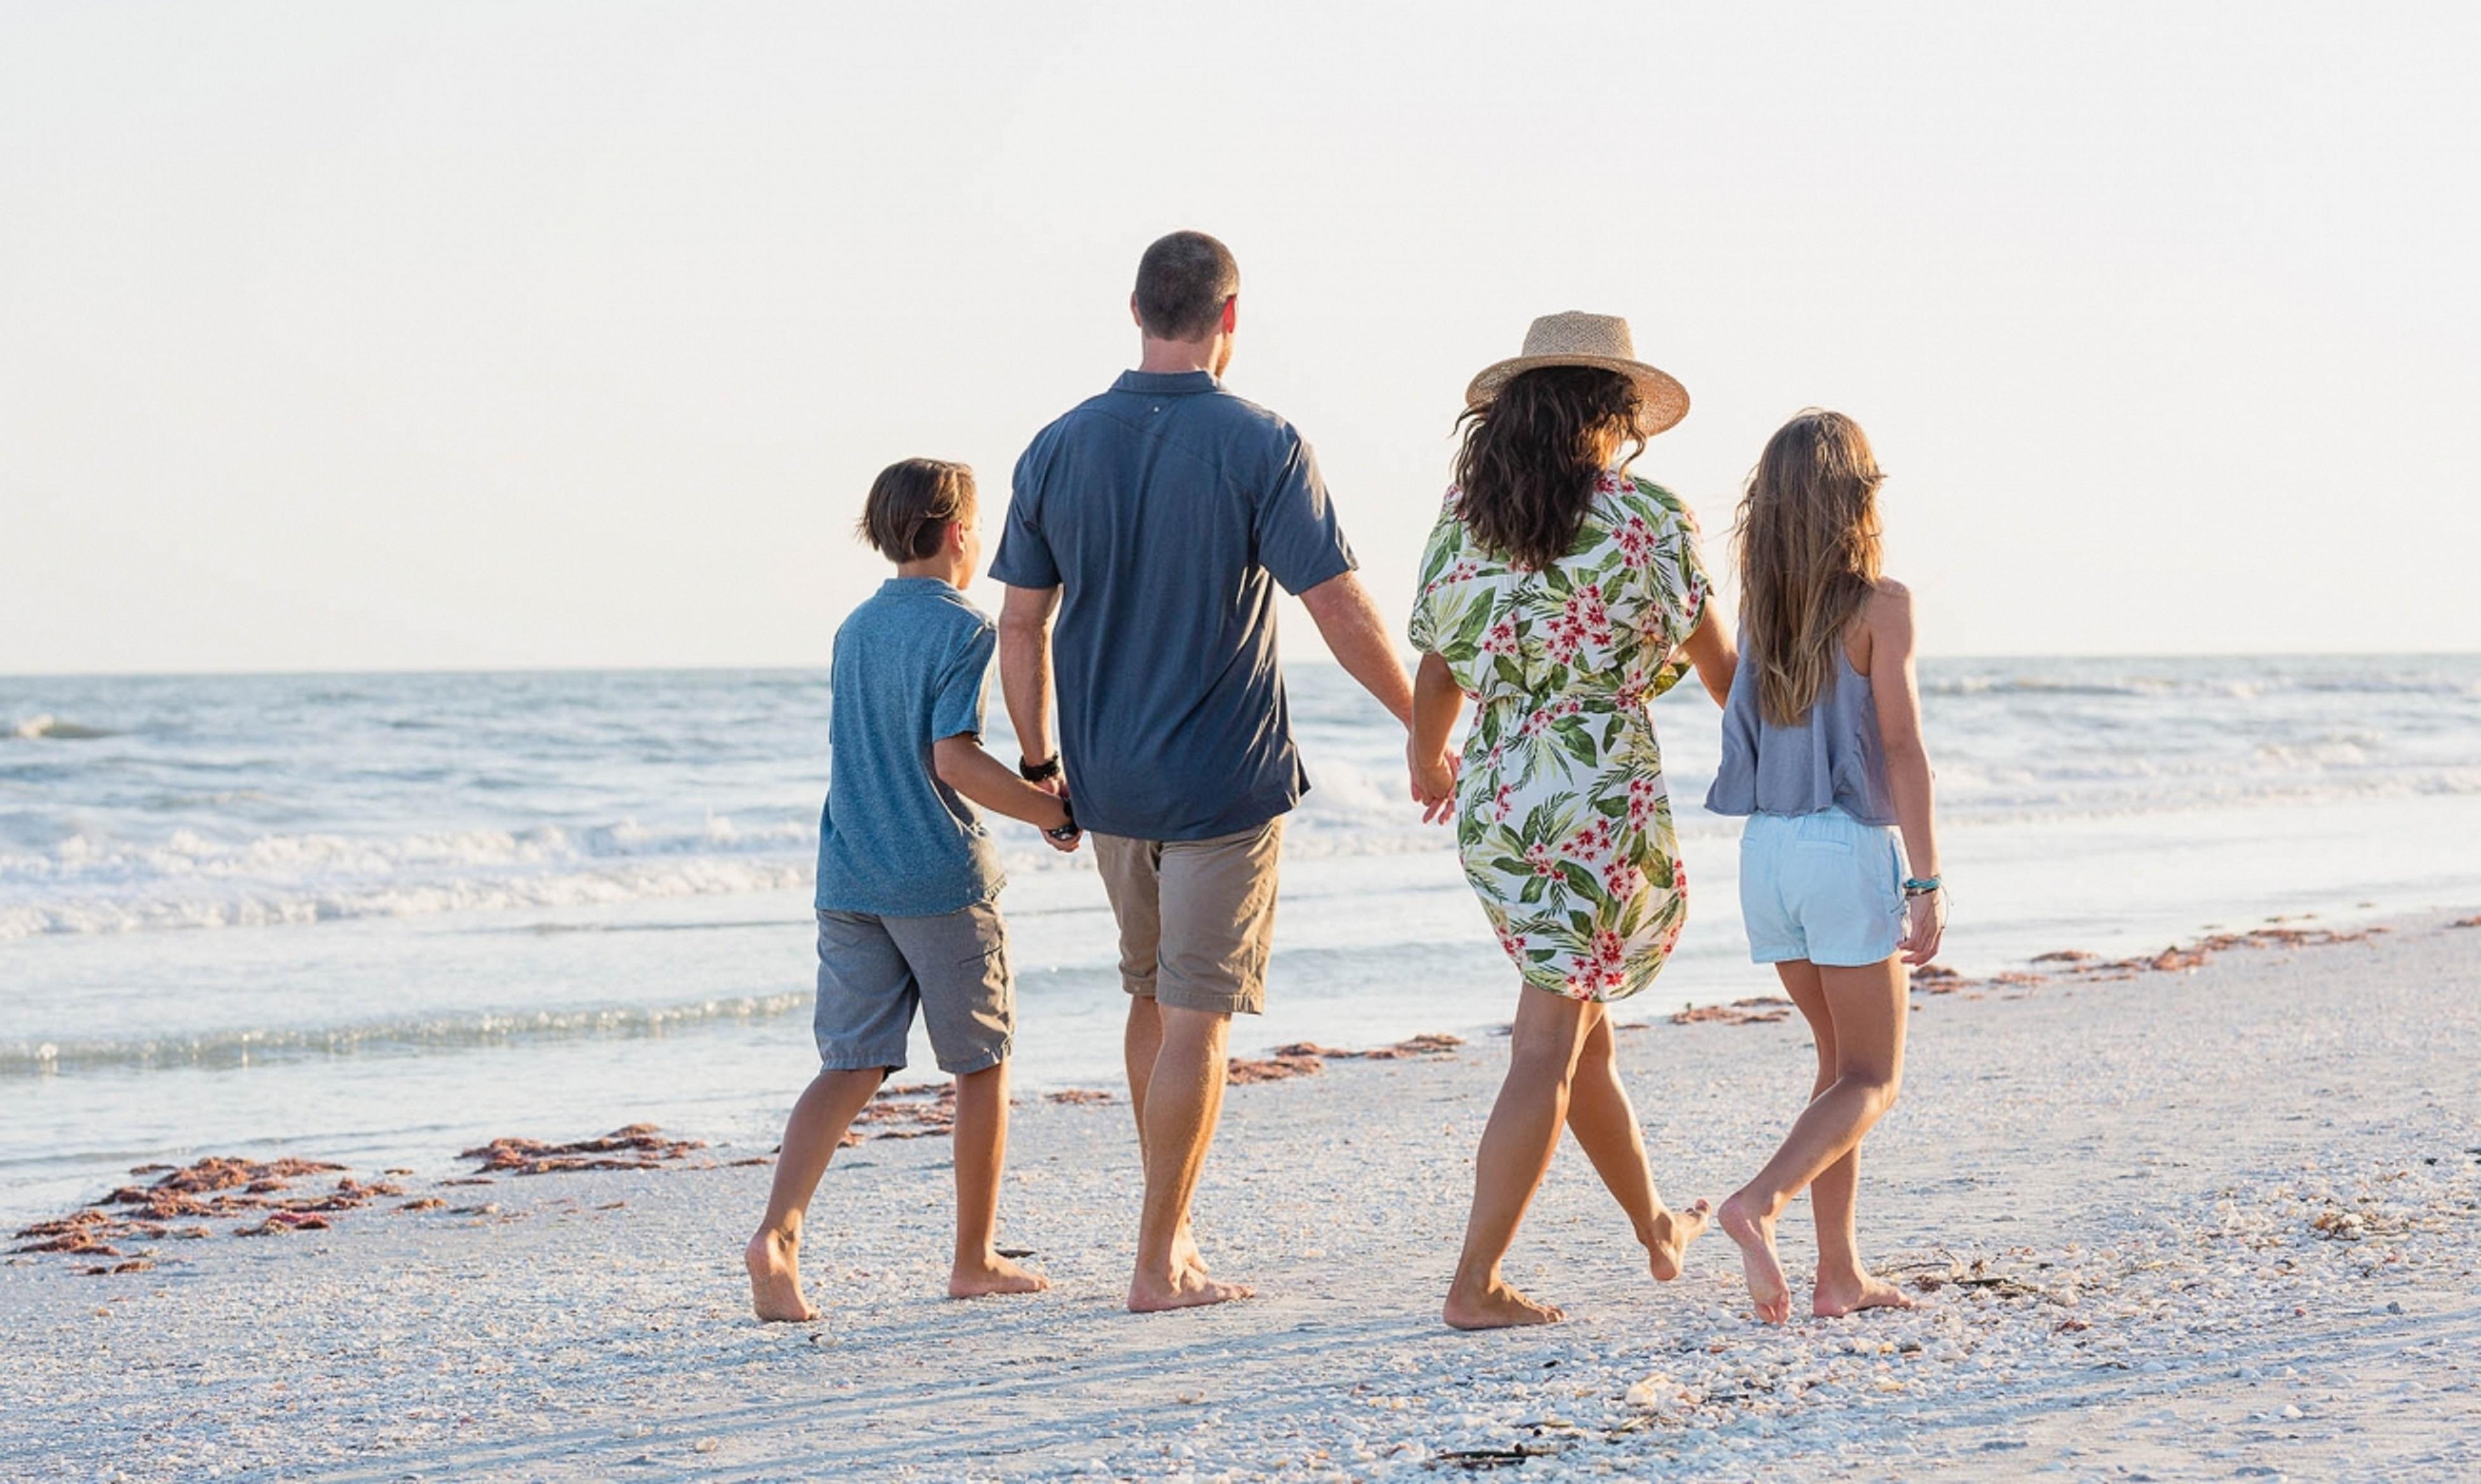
(1349, 623)
(963, 765)
(1025, 667)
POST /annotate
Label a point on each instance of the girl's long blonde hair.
(1807, 549)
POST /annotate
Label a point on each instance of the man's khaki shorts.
(1197, 917)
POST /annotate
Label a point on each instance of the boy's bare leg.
(818, 1125)
(1605, 1123)
(1141, 1043)
(1865, 1008)
(1516, 1149)
(1184, 1100)
(980, 1140)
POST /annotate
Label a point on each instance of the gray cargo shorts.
(873, 971)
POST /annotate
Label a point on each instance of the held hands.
(1924, 923)
(1047, 777)
(1434, 782)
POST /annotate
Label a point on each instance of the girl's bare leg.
(1843, 1280)
(980, 1139)
(818, 1125)
(1865, 1011)
(1605, 1123)
(1516, 1149)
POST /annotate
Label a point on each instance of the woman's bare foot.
(1494, 1304)
(1186, 1289)
(1673, 1232)
(774, 1263)
(1768, 1293)
(979, 1277)
(1839, 1296)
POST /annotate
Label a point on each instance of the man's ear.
(1231, 314)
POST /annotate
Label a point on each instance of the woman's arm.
(1436, 701)
(1709, 647)
(963, 765)
(1889, 618)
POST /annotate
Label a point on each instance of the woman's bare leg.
(1516, 1149)
(1865, 1013)
(1605, 1123)
(818, 1125)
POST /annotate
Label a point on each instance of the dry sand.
(2220, 1223)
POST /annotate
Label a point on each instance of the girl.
(1556, 591)
(1823, 752)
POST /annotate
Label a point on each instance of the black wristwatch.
(1068, 831)
(1038, 773)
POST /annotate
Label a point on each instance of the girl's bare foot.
(1837, 1296)
(1673, 1232)
(1768, 1293)
(774, 1263)
(1495, 1305)
(979, 1277)
(1186, 1289)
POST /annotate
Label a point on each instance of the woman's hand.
(1924, 923)
(1434, 782)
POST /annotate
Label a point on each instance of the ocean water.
(380, 918)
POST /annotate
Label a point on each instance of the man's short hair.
(1184, 281)
(912, 504)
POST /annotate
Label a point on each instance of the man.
(1155, 521)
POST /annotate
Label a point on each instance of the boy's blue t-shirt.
(893, 839)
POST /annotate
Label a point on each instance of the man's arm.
(1349, 623)
(1025, 666)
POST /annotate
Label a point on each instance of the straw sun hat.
(1579, 339)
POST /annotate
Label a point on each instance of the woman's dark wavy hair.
(1531, 455)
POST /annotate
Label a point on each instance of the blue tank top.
(1833, 757)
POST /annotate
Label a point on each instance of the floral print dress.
(1562, 820)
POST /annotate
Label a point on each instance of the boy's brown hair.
(912, 504)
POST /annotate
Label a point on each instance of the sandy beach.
(2218, 1220)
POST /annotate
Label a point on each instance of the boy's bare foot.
(1185, 1253)
(1768, 1293)
(1673, 1232)
(1495, 1305)
(1837, 1297)
(774, 1263)
(1186, 1289)
(990, 1273)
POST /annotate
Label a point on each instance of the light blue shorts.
(1823, 887)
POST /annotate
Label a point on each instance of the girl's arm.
(1709, 647)
(1436, 701)
(963, 765)
(1888, 622)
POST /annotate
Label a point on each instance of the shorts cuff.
(981, 1061)
(859, 1061)
(1212, 1002)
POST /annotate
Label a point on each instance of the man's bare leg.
(1141, 1043)
(818, 1125)
(1516, 1149)
(980, 1140)
(1605, 1123)
(1183, 1100)
(1865, 1011)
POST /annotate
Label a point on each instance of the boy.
(907, 881)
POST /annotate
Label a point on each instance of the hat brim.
(1661, 400)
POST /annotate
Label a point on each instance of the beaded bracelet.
(1922, 886)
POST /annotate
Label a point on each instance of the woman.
(1822, 751)
(1558, 592)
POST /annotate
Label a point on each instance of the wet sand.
(2215, 1213)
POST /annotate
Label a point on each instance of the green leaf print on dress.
(1562, 821)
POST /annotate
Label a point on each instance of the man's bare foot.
(1495, 1305)
(990, 1273)
(1673, 1232)
(1184, 1288)
(774, 1263)
(1768, 1293)
(1837, 1297)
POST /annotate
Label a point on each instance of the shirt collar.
(1161, 383)
(917, 587)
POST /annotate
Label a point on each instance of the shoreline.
(2231, 1225)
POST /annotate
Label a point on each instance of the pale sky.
(526, 335)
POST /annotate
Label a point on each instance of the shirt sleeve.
(1437, 558)
(1298, 539)
(956, 705)
(1025, 558)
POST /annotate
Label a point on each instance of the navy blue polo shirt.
(1166, 510)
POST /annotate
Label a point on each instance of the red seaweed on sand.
(218, 1188)
(641, 1146)
(1763, 1010)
